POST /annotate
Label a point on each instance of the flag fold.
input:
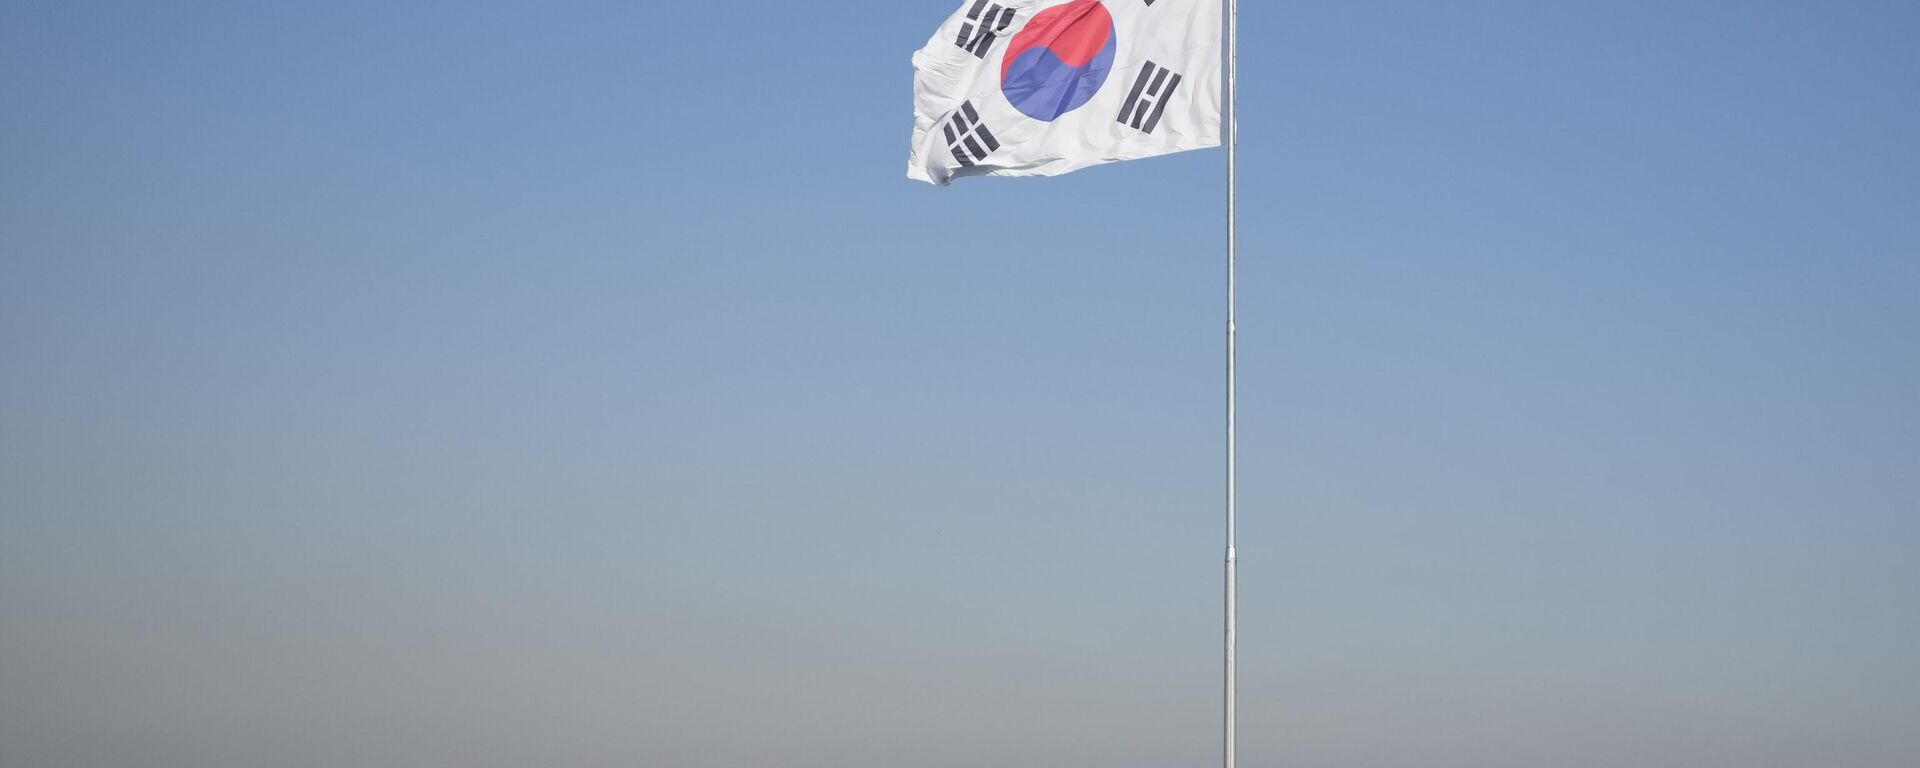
(1044, 87)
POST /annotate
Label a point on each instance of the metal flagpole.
(1233, 235)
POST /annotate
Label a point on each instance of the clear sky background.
(507, 384)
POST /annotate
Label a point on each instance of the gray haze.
(437, 385)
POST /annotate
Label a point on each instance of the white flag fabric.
(1043, 87)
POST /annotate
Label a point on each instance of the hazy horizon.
(432, 384)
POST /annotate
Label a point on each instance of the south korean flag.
(1043, 87)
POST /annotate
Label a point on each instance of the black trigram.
(967, 138)
(985, 22)
(1148, 99)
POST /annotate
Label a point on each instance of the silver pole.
(1233, 236)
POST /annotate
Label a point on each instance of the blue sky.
(428, 384)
